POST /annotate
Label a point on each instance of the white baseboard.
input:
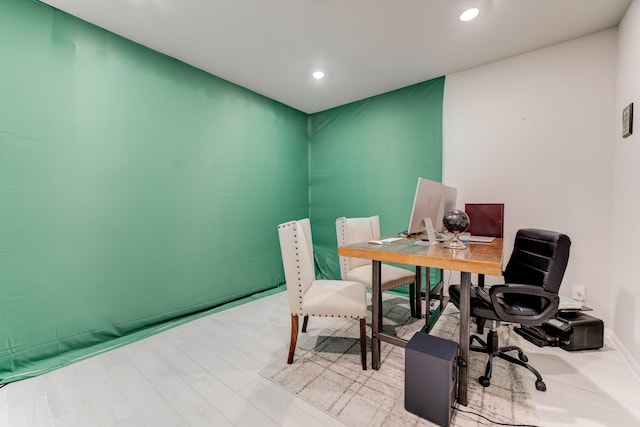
(635, 366)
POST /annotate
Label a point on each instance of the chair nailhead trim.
(331, 315)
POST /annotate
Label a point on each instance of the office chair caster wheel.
(485, 382)
(541, 386)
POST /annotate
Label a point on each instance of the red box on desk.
(485, 219)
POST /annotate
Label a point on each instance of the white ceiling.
(365, 47)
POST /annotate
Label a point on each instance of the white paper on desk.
(383, 241)
(567, 303)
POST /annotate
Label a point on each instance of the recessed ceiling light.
(318, 75)
(469, 14)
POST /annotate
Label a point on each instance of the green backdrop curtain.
(366, 158)
(134, 189)
(137, 191)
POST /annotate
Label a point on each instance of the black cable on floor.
(492, 421)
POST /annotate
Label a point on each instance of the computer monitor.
(449, 195)
(425, 204)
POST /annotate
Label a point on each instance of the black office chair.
(529, 296)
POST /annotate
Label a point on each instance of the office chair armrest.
(550, 306)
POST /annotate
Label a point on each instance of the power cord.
(455, 407)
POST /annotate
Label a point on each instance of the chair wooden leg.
(363, 343)
(305, 321)
(294, 337)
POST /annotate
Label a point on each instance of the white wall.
(625, 276)
(536, 132)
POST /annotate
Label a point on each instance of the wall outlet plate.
(579, 293)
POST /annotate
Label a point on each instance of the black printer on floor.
(570, 330)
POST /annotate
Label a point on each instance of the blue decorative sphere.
(456, 221)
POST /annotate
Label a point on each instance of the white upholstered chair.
(311, 297)
(357, 230)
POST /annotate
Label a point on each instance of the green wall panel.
(366, 158)
(134, 189)
(132, 184)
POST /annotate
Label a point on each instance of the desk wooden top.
(485, 258)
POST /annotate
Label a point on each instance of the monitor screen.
(426, 204)
(448, 204)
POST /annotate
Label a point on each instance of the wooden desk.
(484, 258)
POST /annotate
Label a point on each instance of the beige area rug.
(326, 372)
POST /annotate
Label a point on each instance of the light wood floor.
(205, 373)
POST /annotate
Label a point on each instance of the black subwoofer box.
(588, 331)
(430, 377)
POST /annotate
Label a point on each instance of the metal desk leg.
(412, 299)
(427, 299)
(417, 302)
(465, 312)
(376, 314)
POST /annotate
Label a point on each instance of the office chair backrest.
(296, 246)
(539, 257)
(355, 230)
